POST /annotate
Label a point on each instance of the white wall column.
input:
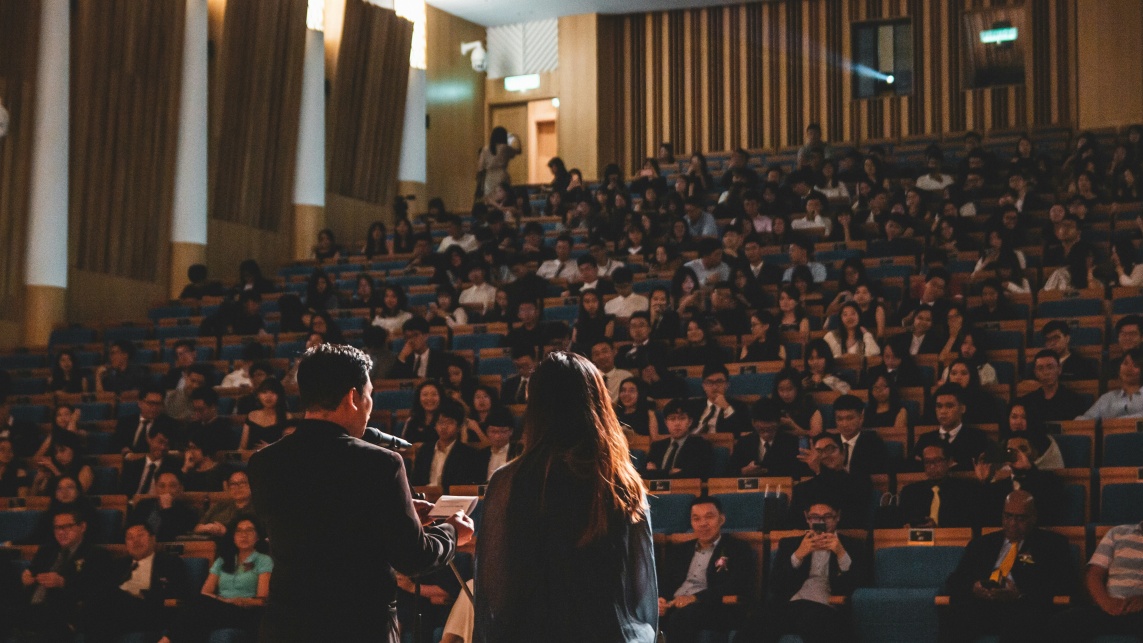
(189, 216)
(309, 177)
(45, 270)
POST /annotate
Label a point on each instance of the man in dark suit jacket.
(514, 390)
(140, 474)
(779, 457)
(339, 513)
(65, 575)
(958, 499)
(848, 492)
(461, 463)
(864, 452)
(141, 582)
(689, 603)
(1005, 581)
(500, 450)
(757, 272)
(807, 570)
(966, 443)
(682, 455)
(132, 431)
(1020, 472)
(168, 514)
(416, 360)
(643, 350)
(716, 413)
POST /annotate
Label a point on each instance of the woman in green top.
(234, 591)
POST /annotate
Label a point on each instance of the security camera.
(479, 56)
(3, 120)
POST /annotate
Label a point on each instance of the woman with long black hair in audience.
(452, 271)
(687, 292)
(800, 415)
(665, 322)
(458, 382)
(1077, 275)
(662, 384)
(997, 247)
(65, 420)
(871, 308)
(322, 323)
(1017, 423)
(235, 590)
(365, 296)
(321, 293)
(593, 325)
(956, 325)
(851, 337)
(326, 248)
(14, 480)
(649, 178)
(393, 311)
(63, 459)
(699, 174)
(679, 237)
(663, 261)
(66, 494)
(981, 407)
(635, 410)
(821, 374)
(264, 424)
(885, 409)
(852, 276)
(791, 314)
(421, 425)
(566, 553)
(1128, 272)
(971, 350)
(500, 311)
(67, 376)
(765, 340)
(493, 160)
(404, 238)
(446, 311)
(487, 410)
(561, 178)
(250, 278)
(699, 347)
(994, 305)
(828, 183)
(377, 243)
(1010, 276)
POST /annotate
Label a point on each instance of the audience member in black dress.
(593, 325)
(264, 424)
(427, 400)
(799, 414)
(665, 322)
(699, 347)
(765, 341)
(14, 479)
(67, 375)
(885, 409)
(635, 410)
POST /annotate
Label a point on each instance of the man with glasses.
(1006, 580)
(1057, 338)
(132, 432)
(65, 573)
(848, 492)
(716, 413)
(807, 571)
(939, 500)
(681, 454)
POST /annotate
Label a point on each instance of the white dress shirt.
(140, 580)
(436, 469)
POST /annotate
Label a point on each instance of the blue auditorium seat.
(34, 413)
(1076, 450)
(561, 313)
(744, 511)
(1123, 450)
(476, 341)
(105, 481)
(1071, 308)
(502, 366)
(107, 527)
(94, 411)
(18, 526)
(751, 384)
(1121, 503)
(670, 513)
(914, 567)
(393, 400)
(895, 614)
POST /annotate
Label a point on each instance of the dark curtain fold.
(368, 104)
(126, 74)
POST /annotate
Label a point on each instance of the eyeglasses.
(714, 382)
(65, 527)
(821, 517)
(827, 449)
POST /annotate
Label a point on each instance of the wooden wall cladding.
(19, 42)
(126, 63)
(368, 104)
(754, 75)
(257, 92)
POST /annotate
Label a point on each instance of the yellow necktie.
(935, 507)
(1005, 565)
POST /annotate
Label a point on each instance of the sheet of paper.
(448, 505)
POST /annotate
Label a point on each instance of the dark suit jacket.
(168, 578)
(1045, 486)
(959, 502)
(461, 467)
(168, 524)
(738, 423)
(85, 574)
(694, 458)
(869, 455)
(781, 457)
(437, 368)
(484, 456)
(340, 516)
(1078, 367)
(127, 426)
(786, 580)
(668, 328)
(969, 444)
(633, 357)
(133, 471)
(1043, 567)
(849, 493)
(735, 578)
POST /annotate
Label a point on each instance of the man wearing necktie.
(143, 581)
(717, 413)
(966, 444)
(766, 451)
(514, 390)
(64, 575)
(939, 500)
(1006, 580)
(864, 451)
(132, 431)
(681, 455)
(140, 473)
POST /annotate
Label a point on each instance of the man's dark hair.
(141, 523)
(148, 390)
(326, 373)
(206, 394)
(127, 346)
(714, 368)
(452, 410)
(418, 324)
(253, 351)
(640, 314)
(185, 343)
(565, 237)
(206, 370)
(832, 437)
(262, 365)
(587, 260)
(676, 407)
(955, 390)
(938, 272)
(814, 126)
(707, 500)
(697, 201)
(1136, 355)
(1054, 325)
(197, 273)
(1130, 320)
(849, 403)
(523, 350)
(77, 514)
(1046, 353)
(945, 447)
(805, 243)
(708, 246)
(765, 410)
(622, 275)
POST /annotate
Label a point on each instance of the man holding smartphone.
(808, 570)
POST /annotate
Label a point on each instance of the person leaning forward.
(339, 513)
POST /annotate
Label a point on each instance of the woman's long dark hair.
(499, 137)
(571, 424)
(228, 551)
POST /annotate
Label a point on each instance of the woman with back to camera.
(494, 158)
(566, 552)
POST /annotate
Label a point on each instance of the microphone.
(381, 439)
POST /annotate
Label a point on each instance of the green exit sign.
(997, 36)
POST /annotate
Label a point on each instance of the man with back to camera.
(339, 513)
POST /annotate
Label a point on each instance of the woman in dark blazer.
(565, 552)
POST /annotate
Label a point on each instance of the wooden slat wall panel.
(368, 104)
(126, 77)
(19, 43)
(754, 75)
(258, 93)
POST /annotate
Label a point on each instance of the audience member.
(216, 521)
(766, 451)
(1115, 586)
(141, 471)
(445, 461)
(940, 500)
(1124, 401)
(966, 444)
(168, 514)
(681, 454)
